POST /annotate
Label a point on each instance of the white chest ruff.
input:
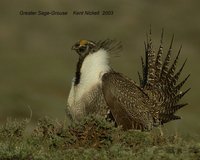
(92, 70)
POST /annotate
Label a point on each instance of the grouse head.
(84, 47)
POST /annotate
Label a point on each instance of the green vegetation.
(92, 138)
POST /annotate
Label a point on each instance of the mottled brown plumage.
(127, 102)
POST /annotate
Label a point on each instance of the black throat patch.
(78, 70)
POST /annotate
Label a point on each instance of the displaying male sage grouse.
(98, 89)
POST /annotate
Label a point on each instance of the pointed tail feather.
(165, 67)
(168, 117)
(158, 63)
(179, 86)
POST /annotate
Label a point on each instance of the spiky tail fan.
(159, 81)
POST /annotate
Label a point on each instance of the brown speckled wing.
(126, 101)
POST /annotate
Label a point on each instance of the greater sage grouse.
(98, 89)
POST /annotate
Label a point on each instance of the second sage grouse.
(98, 89)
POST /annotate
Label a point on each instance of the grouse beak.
(73, 47)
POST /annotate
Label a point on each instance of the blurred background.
(37, 64)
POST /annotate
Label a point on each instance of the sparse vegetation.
(92, 138)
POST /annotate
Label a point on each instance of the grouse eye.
(82, 49)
